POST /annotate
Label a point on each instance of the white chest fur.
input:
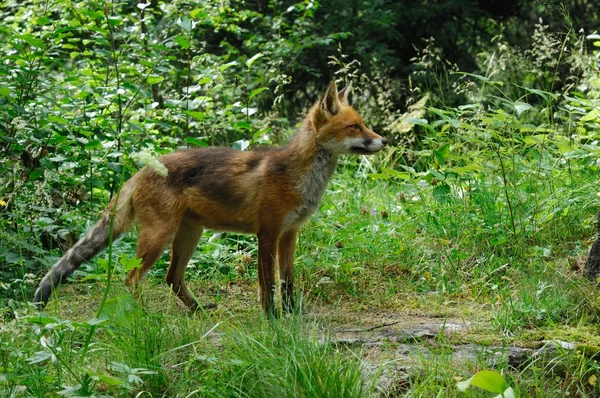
(312, 187)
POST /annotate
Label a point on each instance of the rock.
(517, 357)
(549, 356)
(592, 266)
(396, 353)
(395, 333)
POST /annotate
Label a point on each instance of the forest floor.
(399, 339)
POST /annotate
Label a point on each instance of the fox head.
(339, 128)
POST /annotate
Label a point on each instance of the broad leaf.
(256, 91)
(253, 59)
(490, 381)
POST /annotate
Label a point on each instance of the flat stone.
(396, 333)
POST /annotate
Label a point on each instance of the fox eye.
(355, 126)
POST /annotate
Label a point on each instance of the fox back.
(267, 192)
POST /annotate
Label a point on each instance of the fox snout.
(366, 146)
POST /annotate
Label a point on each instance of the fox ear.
(329, 102)
(343, 94)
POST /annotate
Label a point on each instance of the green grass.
(368, 251)
(175, 354)
(483, 219)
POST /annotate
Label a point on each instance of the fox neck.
(314, 166)
(313, 185)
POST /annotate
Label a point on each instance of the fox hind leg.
(152, 241)
(183, 247)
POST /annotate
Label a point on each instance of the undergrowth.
(488, 205)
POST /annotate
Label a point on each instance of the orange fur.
(270, 193)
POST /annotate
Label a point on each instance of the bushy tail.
(88, 246)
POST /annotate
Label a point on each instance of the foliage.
(489, 381)
(269, 359)
(486, 197)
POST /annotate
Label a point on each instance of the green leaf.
(593, 115)
(93, 144)
(442, 154)
(253, 59)
(11, 257)
(198, 13)
(196, 115)
(153, 79)
(243, 125)
(535, 139)
(110, 380)
(57, 119)
(464, 169)
(496, 383)
(185, 23)
(115, 21)
(441, 193)
(5, 91)
(33, 41)
(490, 381)
(469, 107)
(521, 107)
(42, 21)
(35, 174)
(436, 174)
(463, 386)
(198, 141)
(395, 173)
(92, 14)
(379, 176)
(256, 91)
(498, 240)
(120, 309)
(42, 320)
(543, 94)
(222, 68)
(129, 263)
(183, 41)
(147, 159)
(308, 261)
(562, 147)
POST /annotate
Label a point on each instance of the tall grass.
(482, 212)
(136, 352)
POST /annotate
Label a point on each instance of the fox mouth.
(359, 150)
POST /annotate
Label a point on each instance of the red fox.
(267, 192)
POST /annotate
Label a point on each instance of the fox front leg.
(287, 246)
(267, 251)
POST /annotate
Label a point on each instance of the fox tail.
(94, 241)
